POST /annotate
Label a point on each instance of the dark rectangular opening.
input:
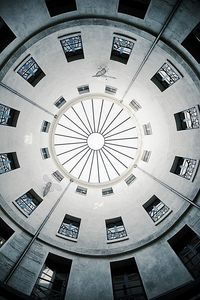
(5, 232)
(157, 79)
(31, 72)
(37, 76)
(7, 36)
(121, 49)
(179, 119)
(192, 43)
(70, 227)
(57, 7)
(126, 280)
(28, 202)
(72, 47)
(83, 89)
(136, 8)
(53, 279)
(8, 116)
(188, 119)
(13, 160)
(186, 244)
(60, 102)
(178, 161)
(71, 56)
(155, 208)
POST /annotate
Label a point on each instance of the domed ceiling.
(100, 95)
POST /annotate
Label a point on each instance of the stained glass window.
(72, 47)
(70, 227)
(31, 72)
(121, 49)
(165, 77)
(156, 208)
(188, 119)
(28, 202)
(8, 162)
(115, 229)
(184, 167)
(8, 116)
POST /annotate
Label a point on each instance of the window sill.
(20, 209)
(66, 238)
(117, 240)
(163, 217)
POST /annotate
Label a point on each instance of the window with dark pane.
(147, 129)
(165, 77)
(53, 278)
(110, 90)
(57, 7)
(192, 43)
(184, 167)
(81, 190)
(186, 244)
(126, 280)
(83, 89)
(72, 47)
(136, 8)
(57, 175)
(31, 72)
(115, 229)
(121, 49)
(60, 102)
(7, 36)
(155, 208)
(70, 227)
(146, 155)
(8, 162)
(135, 105)
(28, 202)
(188, 118)
(130, 179)
(45, 153)
(8, 116)
(107, 191)
(45, 126)
(5, 232)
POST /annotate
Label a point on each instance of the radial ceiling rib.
(81, 120)
(86, 116)
(69, 136)
(117, 126)
(70, 150)
(121, 131)
(103, 132)
(106, 117)
(72, 130)
(74, 155)
(100, 114)
(75, 124)
(106, 146)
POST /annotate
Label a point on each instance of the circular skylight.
(96, 140)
